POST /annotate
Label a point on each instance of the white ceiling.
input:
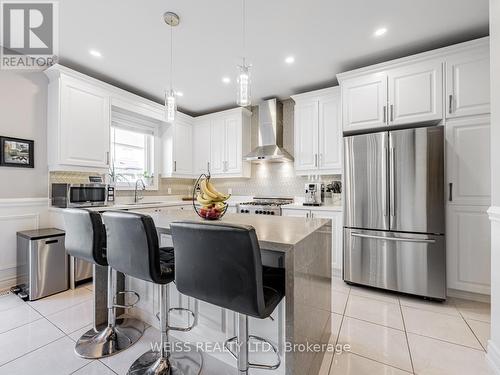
(325, 36)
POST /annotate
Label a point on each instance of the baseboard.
(493, 357)
(462, 294)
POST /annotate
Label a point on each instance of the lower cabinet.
(468, 248)
(336, 218)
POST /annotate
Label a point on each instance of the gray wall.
(23, 114)
(495, 100)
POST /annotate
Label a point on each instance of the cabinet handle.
(451, 105)
(107, 157)
(392, 112)
(385, 114)
(316, 160)
(311, 215)
(450, 195)
(175, 165)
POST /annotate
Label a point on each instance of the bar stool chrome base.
(176, 363)
(109, 340)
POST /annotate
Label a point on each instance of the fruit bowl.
(213, 203)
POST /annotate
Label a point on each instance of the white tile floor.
(388, 335)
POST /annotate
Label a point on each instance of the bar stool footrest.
(260, 366)
(129, 305)
(182, 329)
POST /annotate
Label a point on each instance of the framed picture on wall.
(15, 152)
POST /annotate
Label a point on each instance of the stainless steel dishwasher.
(42, 267)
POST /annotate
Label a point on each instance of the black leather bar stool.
(221, 264)
(133, 248)
(86, 240)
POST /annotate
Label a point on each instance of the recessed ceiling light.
(226, 80)
(380, 32)
(179, 93)
(95, 53)
(290, 60)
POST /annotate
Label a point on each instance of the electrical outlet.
(169, 190)
(230, 191)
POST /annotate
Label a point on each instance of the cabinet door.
(306, 136)
(468, 84)
(416, 93)
(217, 146)
(201, 145)
(296, 212)
(468, 248)
(183, 146)
(233, 157)
(336, 218)
(330, 135)
(364, 102)
(468, 158)
(84, 126)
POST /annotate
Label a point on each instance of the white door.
(330, 134)
(183, 146)
(468, 248)
(468, 84)
(306, 135)
(201, 145)
(217, 146)
(85, 125)
(416, 93)
(468, 158)
(233, 157)
(364, 102)
(296, 212)
(336, 220)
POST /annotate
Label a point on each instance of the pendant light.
(172, 20)
(243, 79)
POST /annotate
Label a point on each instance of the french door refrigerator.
(394, 214)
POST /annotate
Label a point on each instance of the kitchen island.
(303, 248)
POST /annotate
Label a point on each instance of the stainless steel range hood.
(270, 146)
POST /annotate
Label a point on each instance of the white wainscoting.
(493, 352)
(16, 215)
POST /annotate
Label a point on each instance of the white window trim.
(134, 121)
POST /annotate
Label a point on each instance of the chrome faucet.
(138, 197)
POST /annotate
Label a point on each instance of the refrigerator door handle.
(385, 200)
(392, 181)
(394, 239)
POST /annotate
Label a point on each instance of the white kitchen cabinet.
(364, 102)
(318, 132)
(468, 160)
(177, 148)
(201, 147)
(468, 248)
(415, 93)
(78, 124)
(336, 218)
(468, 83)
(229, 141)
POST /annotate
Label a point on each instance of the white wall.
(494, 345)
(23, 114)
(23, 191)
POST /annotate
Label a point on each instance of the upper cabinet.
(78, 124)
(222, 139)
(413, 89)
(177, 146)
(364, 102)
(318, 132)
(468, 83)
(415, 93)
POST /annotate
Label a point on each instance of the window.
(132, 151)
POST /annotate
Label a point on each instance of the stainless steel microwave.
(79, 195)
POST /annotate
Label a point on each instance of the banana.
(213, 190)
(201, 199)
(206, 190)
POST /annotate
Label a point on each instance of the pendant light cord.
(244, 26)
(171, 57)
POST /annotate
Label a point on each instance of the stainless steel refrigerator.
(394, 218)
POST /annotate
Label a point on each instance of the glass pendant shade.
(170, 105)
(243, 81)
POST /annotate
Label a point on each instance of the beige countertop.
(279, 233)
(300, 206)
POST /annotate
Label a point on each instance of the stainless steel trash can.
(42, 267)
